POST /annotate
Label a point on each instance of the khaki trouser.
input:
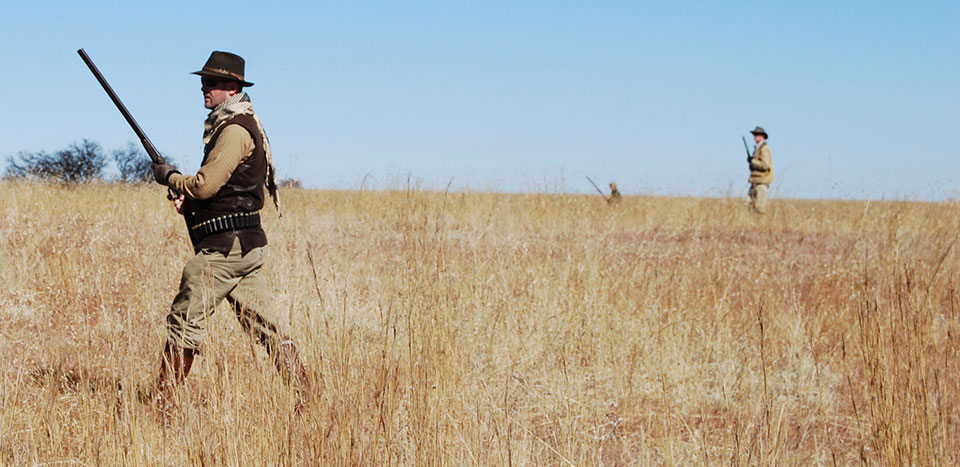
(207, 279)
(758, 196)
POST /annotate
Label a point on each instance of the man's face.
(758, 138)
(217, 90)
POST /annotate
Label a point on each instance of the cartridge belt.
(234, 221)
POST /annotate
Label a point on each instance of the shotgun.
(598, 188)
(747, 148)
(147, 145)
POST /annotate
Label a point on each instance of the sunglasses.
(211, 82)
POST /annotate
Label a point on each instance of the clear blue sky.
(861, 99)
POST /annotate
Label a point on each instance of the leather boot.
(175, 364)
(291, 369)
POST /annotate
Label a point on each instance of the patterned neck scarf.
(240, 105)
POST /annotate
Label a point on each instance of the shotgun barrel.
(147, 145)
(598, 188)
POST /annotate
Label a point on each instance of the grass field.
(493, 329)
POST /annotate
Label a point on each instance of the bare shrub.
(133, 164)
(79, 163)
(290, 183)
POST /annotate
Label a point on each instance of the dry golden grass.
(493, 329)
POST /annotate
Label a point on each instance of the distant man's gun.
(598, 188)
(747, 148)
(147, 145)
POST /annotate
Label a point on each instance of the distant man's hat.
(224, 65)
(759, 131)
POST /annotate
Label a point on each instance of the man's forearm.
(195, 186)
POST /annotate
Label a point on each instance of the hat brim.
(760, 133)
(214, 74)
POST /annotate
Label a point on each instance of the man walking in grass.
(761, 171)
(221, 205)
(615, 197)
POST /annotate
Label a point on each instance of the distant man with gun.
(761, 170)
(221, 205)
(614, 197)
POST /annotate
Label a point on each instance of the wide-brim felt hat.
(224, 65)
(759, 131)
